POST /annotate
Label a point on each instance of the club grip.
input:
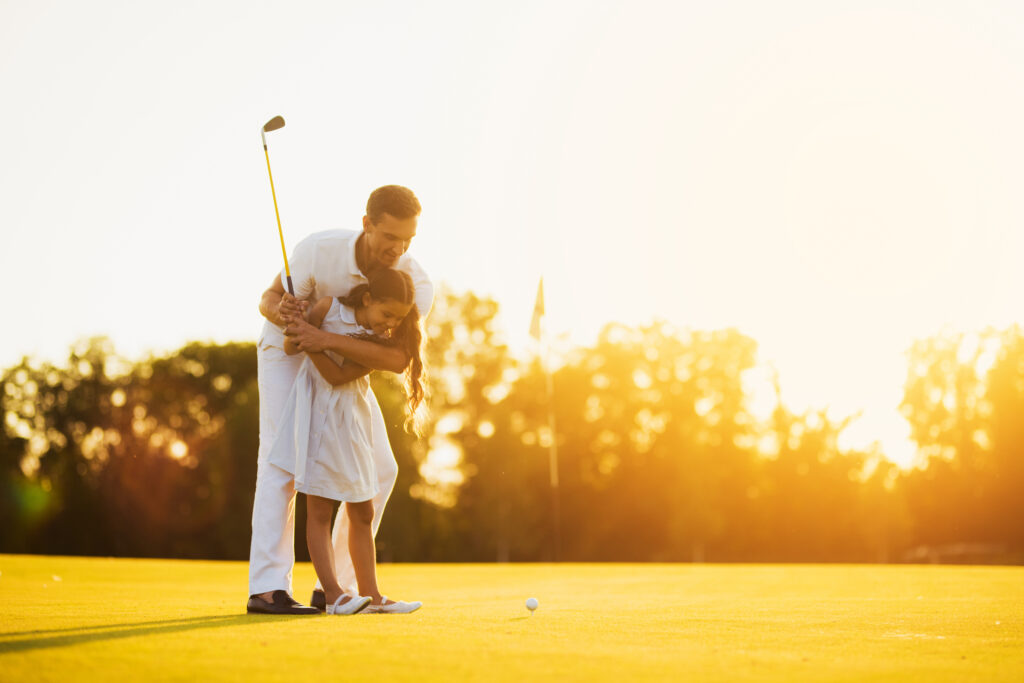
(290, 289)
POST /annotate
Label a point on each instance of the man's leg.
(387, 473)
(272, 551)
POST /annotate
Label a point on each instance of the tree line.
(660, 457)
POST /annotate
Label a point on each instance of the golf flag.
(538, 311)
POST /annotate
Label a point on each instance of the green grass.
(79, 619)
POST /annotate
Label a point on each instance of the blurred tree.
(464, 455)
(666, 414)
(50, 412)
(945, 403)
(660, 455)
(647, 426)
(964, 398)
(135, 459)
(1005, 399)
(818, 503)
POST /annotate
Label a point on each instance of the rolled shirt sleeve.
(424, 287)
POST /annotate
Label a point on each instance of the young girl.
(324, 440)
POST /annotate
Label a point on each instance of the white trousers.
(272, 550)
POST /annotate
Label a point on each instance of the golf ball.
(531, 604)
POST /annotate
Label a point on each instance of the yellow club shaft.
(284, 251)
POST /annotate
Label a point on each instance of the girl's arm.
(332, 372)
(310, 339)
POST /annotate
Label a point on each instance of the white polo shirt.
(324, 264)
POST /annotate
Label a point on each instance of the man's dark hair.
(393, 200)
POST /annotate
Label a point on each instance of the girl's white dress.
(324, 437)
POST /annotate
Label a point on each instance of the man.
(327, 263)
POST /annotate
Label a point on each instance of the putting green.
(64, 618)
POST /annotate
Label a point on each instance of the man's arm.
(369, 354)
(278, 306)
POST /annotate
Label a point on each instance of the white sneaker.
(356, 604)
(397, 607)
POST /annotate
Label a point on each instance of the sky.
(834, 179)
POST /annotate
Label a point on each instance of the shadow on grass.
(20, 642)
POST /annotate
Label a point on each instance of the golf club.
(274, 124)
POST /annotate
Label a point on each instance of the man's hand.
(290, 308)
(306, 337)
(280, 307)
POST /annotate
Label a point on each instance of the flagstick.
(553, 454)
(537, 331)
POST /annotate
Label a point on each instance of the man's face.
(388, 239)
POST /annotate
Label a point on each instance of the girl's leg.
(362, 549)
(318, 540)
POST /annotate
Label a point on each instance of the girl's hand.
(306, 337)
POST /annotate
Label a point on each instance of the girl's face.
(384, 315)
